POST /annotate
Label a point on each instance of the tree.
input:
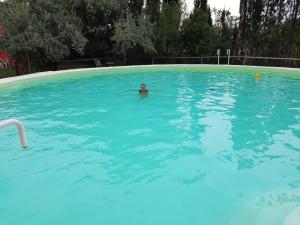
(169, 2)
(42, 28)
(226, 27)
(97, 17)
(130, 33)
(15, 37)
(153, 10)
(294, 26)
(49, 31)
(168, 27)
(269, 27)
(201, 4)
(136, 6)
(196, 34)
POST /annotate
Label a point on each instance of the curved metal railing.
(234, 60)
(227, 59)
(4, 65)
(20, 127)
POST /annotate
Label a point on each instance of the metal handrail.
(272, 58)
(202, 59)
(20, 127)
(236, 56)
(246, 59)
(4, 65)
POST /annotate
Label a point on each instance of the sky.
(232, 5)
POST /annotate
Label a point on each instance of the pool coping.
(50, 73)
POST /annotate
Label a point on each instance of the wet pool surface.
(206, 146)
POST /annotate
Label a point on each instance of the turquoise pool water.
(212, 147)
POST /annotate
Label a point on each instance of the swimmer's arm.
(147, 90)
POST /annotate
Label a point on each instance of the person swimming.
(143, 89)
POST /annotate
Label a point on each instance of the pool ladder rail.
(20, 127)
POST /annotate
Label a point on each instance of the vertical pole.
(218, 54)
(28, 62)
(7, 59)
(228, 53)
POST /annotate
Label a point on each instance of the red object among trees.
(21, 66)
(3, 54)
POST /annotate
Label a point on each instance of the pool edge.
(51, 73)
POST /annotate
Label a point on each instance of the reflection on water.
(206, 149)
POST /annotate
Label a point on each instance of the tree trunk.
(17, 69)
(167, 49)
(294, 20)
(125, 58)
(281, 11)
(266, 16)
(243, 21)
(28, 62)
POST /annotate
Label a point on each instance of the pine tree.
(243, 21)
(153, 9)
(201, 4)
(136, 6)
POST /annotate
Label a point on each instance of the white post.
(28, 62)
(7, 58)
(20, 127)
(218, 54)
(228, 53)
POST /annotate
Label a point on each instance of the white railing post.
(218, 54)
(228, 54)
(20, 127)
(7, 59)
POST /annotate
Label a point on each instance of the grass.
(7, 73)
(61, 66)
(74, 65)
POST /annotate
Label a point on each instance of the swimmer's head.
(257, 76)
(143, 86)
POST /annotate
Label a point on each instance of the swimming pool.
(213, 146)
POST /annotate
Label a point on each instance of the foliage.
(196, 34)
(226, 27)
(130, 33)
(52, 30)
(153, 9)
(168, 28)
(17, 33)
(43, 28)
(270, 27)
(97, 18)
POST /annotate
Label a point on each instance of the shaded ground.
(7, 73)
